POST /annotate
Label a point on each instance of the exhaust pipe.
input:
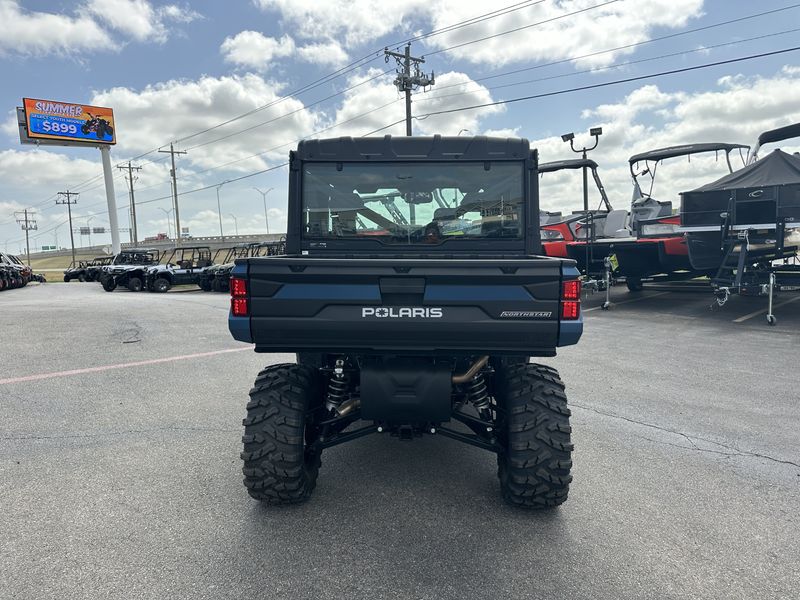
(470, 373)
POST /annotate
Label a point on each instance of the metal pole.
(27, 241)
(407, 73)
(172, 153)
(108, 174)
(264, 198)
(219, 214)
(72, 233)
(235, 223)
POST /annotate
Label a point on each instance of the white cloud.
(177, 108)
(39, 33)
(40, 168)
(364, 21)
(647, 118)
(354, 21)
(329, 54)
(138, 18)
(555, 38)
(255, 50)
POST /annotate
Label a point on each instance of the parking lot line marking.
(153, 361)
(629, 301)
(764, 310)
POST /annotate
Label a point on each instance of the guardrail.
(214, 242)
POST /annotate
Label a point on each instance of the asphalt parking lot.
(119, 459)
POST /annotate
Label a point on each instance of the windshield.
(413, 203)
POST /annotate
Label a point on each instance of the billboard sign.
(65, 121)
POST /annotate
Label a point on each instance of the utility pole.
(66, 198)
(28, 224)
(405, 81)
(130, 169)
(172, 152)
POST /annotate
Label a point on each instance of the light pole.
(55, 235)
(463, 131)
(570, 137)
(166, 212)
(90, 230)
(219, 209)
(235, 223)
(264, 198)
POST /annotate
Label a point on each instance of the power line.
(626, 46)
(516, 29)
(610, 83)
(606, 68)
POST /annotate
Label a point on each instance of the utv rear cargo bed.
(431, 305)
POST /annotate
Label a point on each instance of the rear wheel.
(205, 285)
(82, 278)
(135, 284)
(534, 467)
(634, 284)
(279, 467)
(109, 284)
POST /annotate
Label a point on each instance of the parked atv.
(408, 320)
(17, 273)
(128, 269)
(185, 265)
(214, 279)
(76, 271)
(99, 126)
(95, 266)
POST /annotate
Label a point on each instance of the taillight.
(571, 289)
(238, 287)
(239, 307)
(571, 299)
(238, 297)
(570, 310)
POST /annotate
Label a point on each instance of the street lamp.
(235, 223)
(166, 212)
(463, 131)
(570, 137)
(264, 198)
(219, 209)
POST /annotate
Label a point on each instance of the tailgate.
(429, 306)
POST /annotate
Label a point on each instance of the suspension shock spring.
(479, 396)
(338, 387)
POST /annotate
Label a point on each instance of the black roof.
(403, 148)
(779, 134)
(684, 150)
(575, 163)
(777, 168)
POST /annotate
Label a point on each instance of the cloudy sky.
(237, 84)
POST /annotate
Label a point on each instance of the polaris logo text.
(416, 312)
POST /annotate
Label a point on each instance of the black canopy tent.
(763, 193)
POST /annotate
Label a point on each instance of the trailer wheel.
(135, 284)
(771, 319)
(534, 466)
(279, 467)
(634, 284)
(109, 284)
